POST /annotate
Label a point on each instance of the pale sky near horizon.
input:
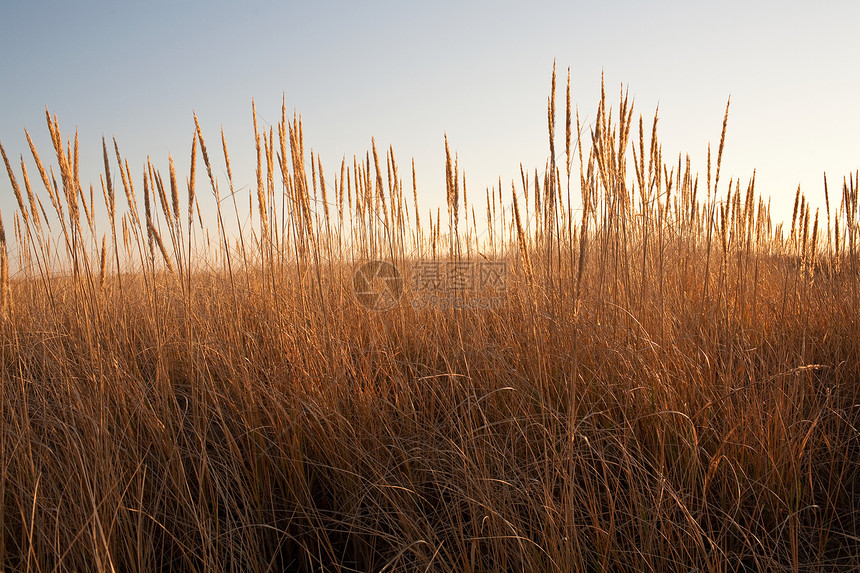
(407, 73)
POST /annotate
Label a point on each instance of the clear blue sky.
(406, 73)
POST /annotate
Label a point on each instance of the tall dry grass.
(670, 385)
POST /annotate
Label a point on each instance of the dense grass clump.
(665, 380)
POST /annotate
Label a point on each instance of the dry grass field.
(666, 379)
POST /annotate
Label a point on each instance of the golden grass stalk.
(147, 211)
(31, 198)
(5, 297)
(191, 185)
(261, 198)
(567, 129)
(174, 190)
(103, 263)
(157, 236)
(15, 187)
(521, 238)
